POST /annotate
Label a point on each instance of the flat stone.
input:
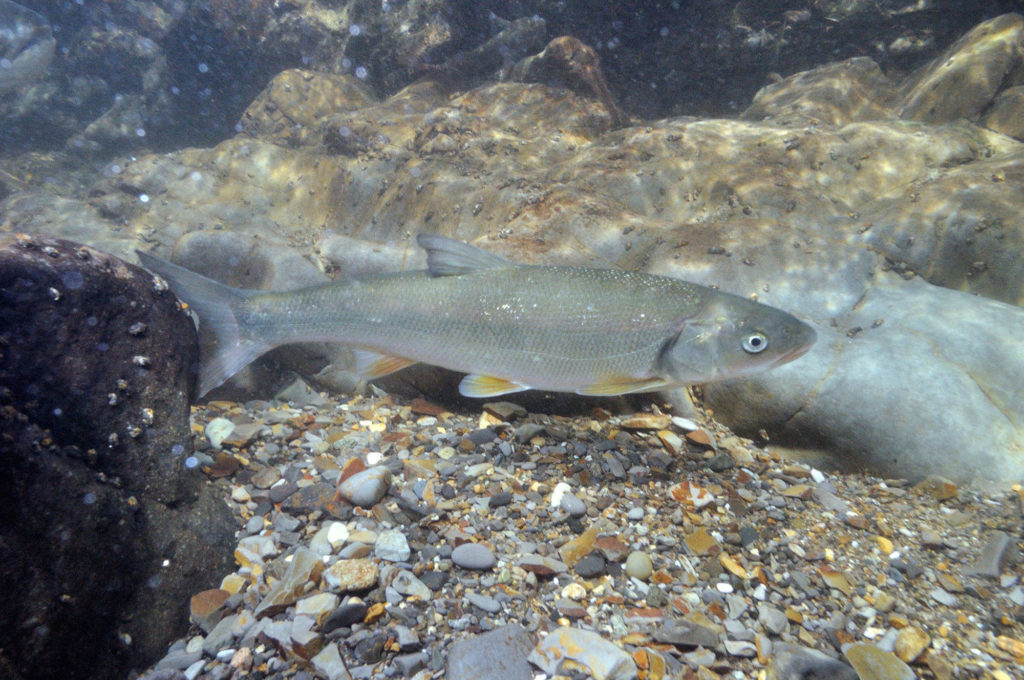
(351, 575)
(794, 662)
(484, 602)
(500, 653)
(392, 546)
(329, 664)
(406, 583)
(693, 631)
(1000, 550)
(601, 658)
(304, 566)
(542, 566)
(874, 663)
(473, 556)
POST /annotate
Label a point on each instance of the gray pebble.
(635, 514)
(366, 488)
(406, 583)
(392, 546)
(639, 565)
(504, 648)
(473, 556)
(488, 604)
(591, 565)
(573, 505)
(999, 551)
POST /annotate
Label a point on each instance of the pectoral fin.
(475, 385)
(371, 365)
(613, 385)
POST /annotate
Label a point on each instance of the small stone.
(484, 602)
(304, 566)
(217, 430)
(406, 583)
(505, 410)
(700, 542)
(999, 551)
(591, 566)
(206, 607)
(349, 612)
(646, 421)
(943, 597)
(473, 556)
(329, 664)
(542, 566)
(266, 477)
(392, 546)
(318, 606)
(367, 487)
(874, 663)
(639, 565)
(351, 575)
(910, 643)
(695, 630)
(504, 648)
(575, 549)
(939, 488)
(793, 662)
(602, 659)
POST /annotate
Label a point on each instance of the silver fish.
(509, 327)
(26, 46)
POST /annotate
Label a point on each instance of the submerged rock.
(106, 531)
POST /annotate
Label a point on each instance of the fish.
(27, 46)
(509, 327)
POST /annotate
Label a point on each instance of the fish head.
(732, 338)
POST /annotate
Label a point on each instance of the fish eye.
(755, 342)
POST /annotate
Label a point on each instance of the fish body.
(26, 46)
(509, 327)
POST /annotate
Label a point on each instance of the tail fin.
(225, 346)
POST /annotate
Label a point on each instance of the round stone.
(639, 565)
(367, 487)
(473, 556)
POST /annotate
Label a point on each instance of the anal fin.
(371, 365)
(475, 385)
(614, 385)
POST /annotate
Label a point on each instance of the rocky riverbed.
(383, 537)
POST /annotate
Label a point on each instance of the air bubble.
(354, 29)
(203, 68)
(361, 72)
(177, 450)
(89, 498)
(144, 198)
(191, 462)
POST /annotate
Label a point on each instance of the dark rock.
(95, 372)
(500, 653)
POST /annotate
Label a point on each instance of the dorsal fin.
(448, 257)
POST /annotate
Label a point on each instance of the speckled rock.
(99, 356)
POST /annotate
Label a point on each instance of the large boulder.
(105, 532)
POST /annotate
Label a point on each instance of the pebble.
(473, 556)
(405, 581)
(351, 575)
(999, 550)
(602, 659)
(872, 663)
(367, 487)
(639, 565)
(484, 602)
(479, 656)
(217, 430)
(392, 546)
(328, 663)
